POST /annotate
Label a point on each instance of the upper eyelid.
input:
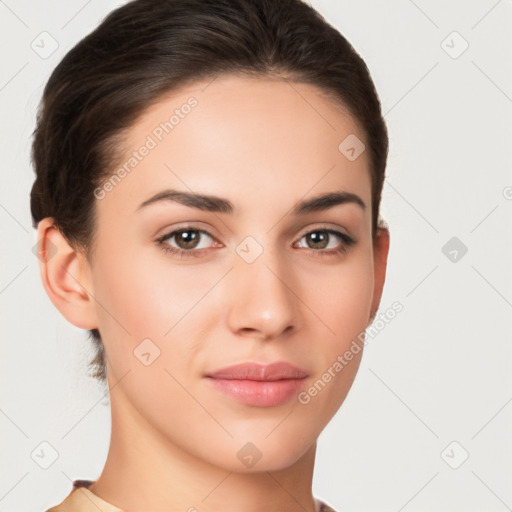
(173, 232)
(325, 228)
(168, 233)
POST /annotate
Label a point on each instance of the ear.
(380, 259)
(66, 276)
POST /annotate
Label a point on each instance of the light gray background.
(439, 372)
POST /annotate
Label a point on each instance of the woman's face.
(185, 287)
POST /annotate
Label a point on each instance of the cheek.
(142, 296)
(340, 299)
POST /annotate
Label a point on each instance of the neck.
(146, 471)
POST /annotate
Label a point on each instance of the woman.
(208, 184)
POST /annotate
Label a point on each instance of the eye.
(185, 241)
(327, 241)
(189, 241)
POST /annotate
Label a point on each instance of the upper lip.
(261, 372)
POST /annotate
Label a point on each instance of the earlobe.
(65, 274)
(380, 258)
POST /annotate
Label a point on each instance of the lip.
(260, 372)
(259, 385)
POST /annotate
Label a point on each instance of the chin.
(264, 455)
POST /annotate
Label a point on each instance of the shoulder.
(66, 503)
(323, 507)
(80, 499)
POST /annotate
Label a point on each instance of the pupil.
(318, 236)
(186, 240)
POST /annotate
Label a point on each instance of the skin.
(264, 144)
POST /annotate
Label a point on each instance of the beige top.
(81, 499)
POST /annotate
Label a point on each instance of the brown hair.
(147, 48)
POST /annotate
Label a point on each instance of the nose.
(262, 303)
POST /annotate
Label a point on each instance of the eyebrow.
(220, 205)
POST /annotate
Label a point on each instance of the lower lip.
(259, 393)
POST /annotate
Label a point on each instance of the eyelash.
(343, 248)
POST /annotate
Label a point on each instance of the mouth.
(259, 385)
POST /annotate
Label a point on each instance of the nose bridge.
(262, 301)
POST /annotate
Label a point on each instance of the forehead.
(237, 136)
